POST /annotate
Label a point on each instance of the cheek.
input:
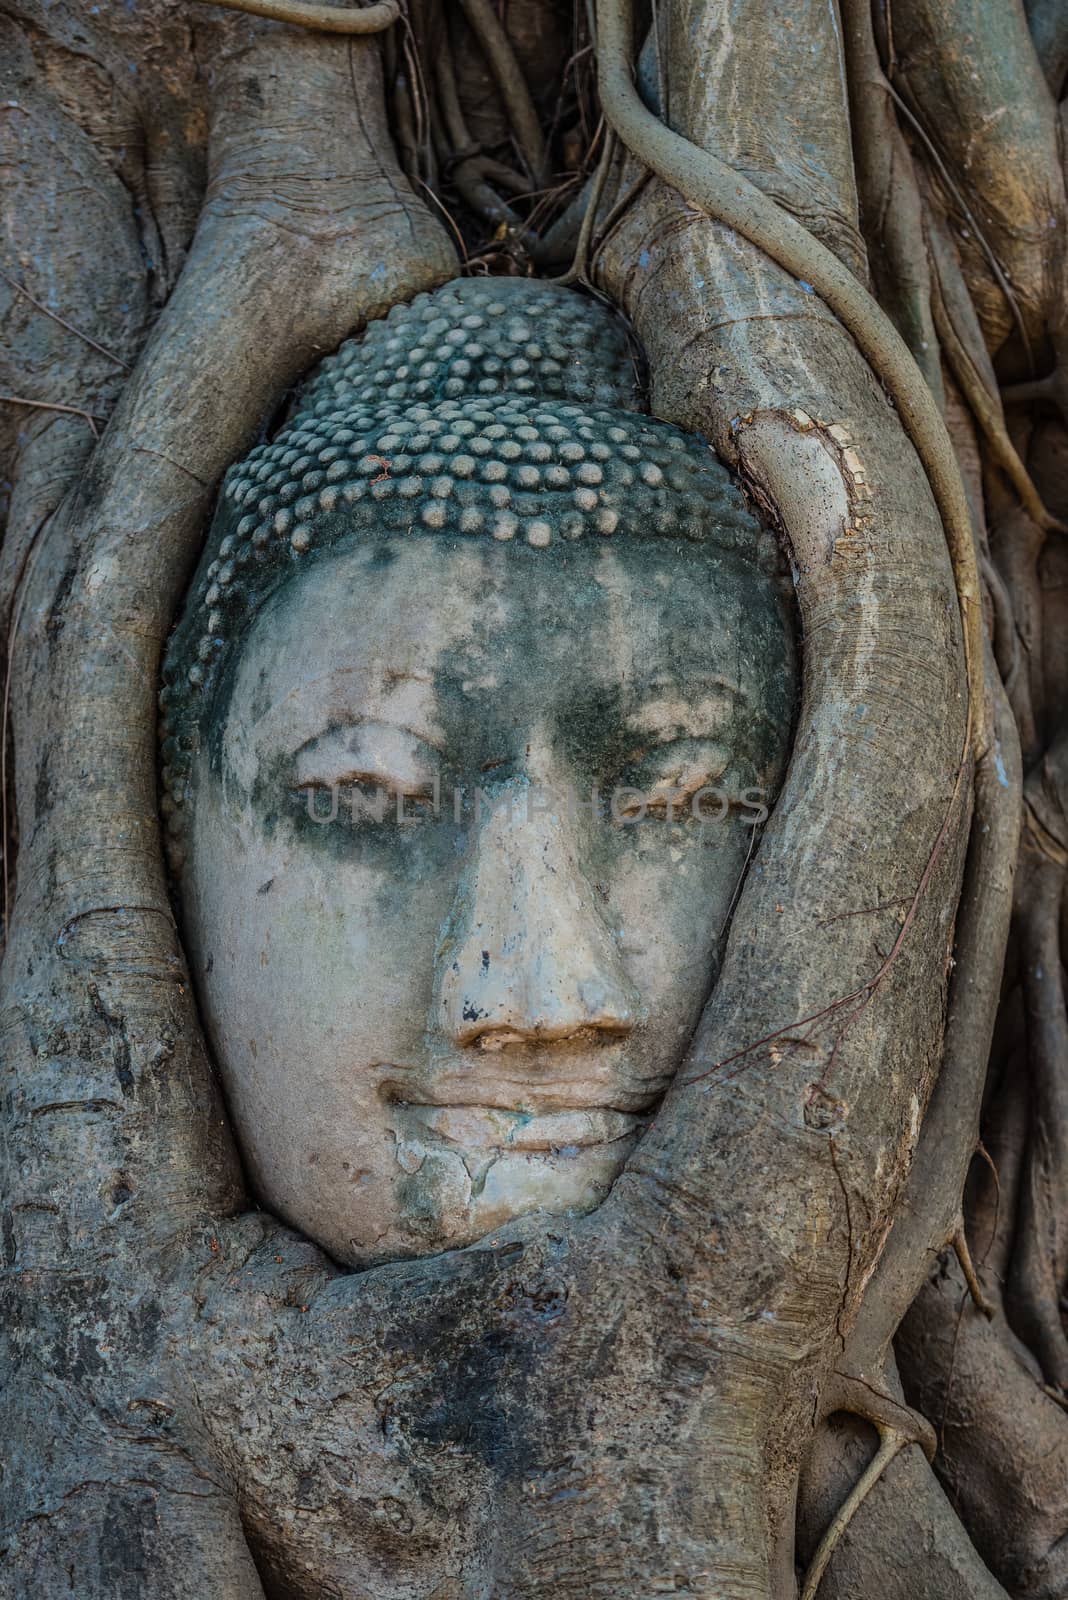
(670, 891)
(317, 955)
(319, 972)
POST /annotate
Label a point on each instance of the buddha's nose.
(530, 959)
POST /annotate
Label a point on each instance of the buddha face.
(469, 821)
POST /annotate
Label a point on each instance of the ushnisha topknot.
(508, 408)
(483, 336)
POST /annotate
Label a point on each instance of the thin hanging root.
(897, 1426)
(45, 405)
(891, 1443)
(1005, 644)
(324, 19)
(522, 112)
(971, 1277)
(987, 413)
(978, 234)
(63, 323)
(1020, 394)
(404, 129)
(470, 168)
(728, 197)
(449, 99)
(578, 271)
(619, 210)
(847, 1390)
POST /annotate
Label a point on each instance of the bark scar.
(766, 478)
(115, 1023)
(849, 1240)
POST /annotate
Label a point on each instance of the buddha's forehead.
(425, 632)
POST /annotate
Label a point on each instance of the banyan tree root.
(494, 41)
(115, 1140)
(812, 446)
(996, 757)
(987, 411)
(1003, 1440)
(904, 1541)
(726, 196)
(1040, 1258)
(323, 19)
(891, 1443)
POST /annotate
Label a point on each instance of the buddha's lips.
(477, 1127)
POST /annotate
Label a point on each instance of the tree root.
(578, 272)
(1003, 1445)
(971, 1277)
(1048, 22)
(928, 1217)
(897, 1426)
(1016, 545)
(728, 197)
(905, 1543)
(1052, 389)
(47, 405)
(522, 112)
(891, 207)
(987, 413)
(78, 333)
(847, 1390)
(470, 168)
(1040, 1250)
(324, 19)
(996, 270)
(1048, 388)
(619, 210)
(470, 165)
(891, 1443)
(1006, 645)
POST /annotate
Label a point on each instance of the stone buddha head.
(482, 687)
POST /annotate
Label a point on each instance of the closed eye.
(367, 753)
(680, 788)
(683, 763)
(665, 782)
(416, 789)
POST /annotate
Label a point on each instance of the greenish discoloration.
(585, 715)
(580, 939)
(508, 410)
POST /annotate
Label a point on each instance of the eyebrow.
(688, 696)
(357, 720)
(330, 716)
(714, 680)
(394, 675)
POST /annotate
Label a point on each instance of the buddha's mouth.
(475, 1127)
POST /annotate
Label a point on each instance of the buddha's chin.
(457, 1195)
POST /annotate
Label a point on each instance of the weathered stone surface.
(474, 709)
